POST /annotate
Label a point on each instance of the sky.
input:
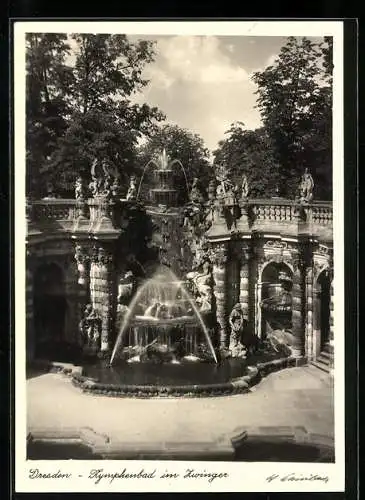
(203, 83)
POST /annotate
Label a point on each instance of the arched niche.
(276, 297)
(321, 310)
(50, 306)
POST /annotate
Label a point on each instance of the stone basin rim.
(238, 385)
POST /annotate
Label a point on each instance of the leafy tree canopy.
(250, 153)
(295, 101)
(94, 107)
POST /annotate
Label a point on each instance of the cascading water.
(161, 311)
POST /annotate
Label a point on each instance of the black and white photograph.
(179, 244)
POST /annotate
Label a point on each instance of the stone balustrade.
(58, 209)
(263, 214)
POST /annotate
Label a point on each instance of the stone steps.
(325, 360)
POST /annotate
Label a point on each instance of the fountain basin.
(186, 379)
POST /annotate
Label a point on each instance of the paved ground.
(292, 397)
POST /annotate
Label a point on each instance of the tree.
(294, 98)
(47, 81)
(182, 145)
(248, 152)
(101, 122)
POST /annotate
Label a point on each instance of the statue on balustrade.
(237, 324)
(245, 189)
(80, 189)
(227, 203)
(115, 187)
(132, 190)
(306, 187)
(90, 328)
(196, 195)
(96, 183)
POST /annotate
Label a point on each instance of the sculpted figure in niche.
(91, 326)
(306, 187)
(132, 190)
(237, 323)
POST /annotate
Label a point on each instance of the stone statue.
(91, 327)
(79, 188)
(244, 188)
(126, 287)
(202, 281)
(115, 187)
(132, 190)
(51, 194)
(107, 188)
(212, 190)
(196, 195)
(236, 322)
(306, 187)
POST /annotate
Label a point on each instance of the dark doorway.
(49, 307)
(324, 286)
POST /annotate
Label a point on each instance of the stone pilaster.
(309, 347)
(258, 268)
(298, 310)
(101, 290)
(219, 252)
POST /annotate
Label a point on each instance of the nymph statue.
(196, 195)
(202, 281)
(79, 188)
(236, 322)
(306, 187)
(244, 188)
(132, 190)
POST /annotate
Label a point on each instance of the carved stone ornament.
(81, 254)
(104, 256)
(219, 255)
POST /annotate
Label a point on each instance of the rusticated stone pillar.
(298, 310)
(82, 257)
(309, 347)
(244, 283)
(258, 293)
(219, 275)
(101, 290)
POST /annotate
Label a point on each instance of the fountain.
(164, 315)
(166, 324)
